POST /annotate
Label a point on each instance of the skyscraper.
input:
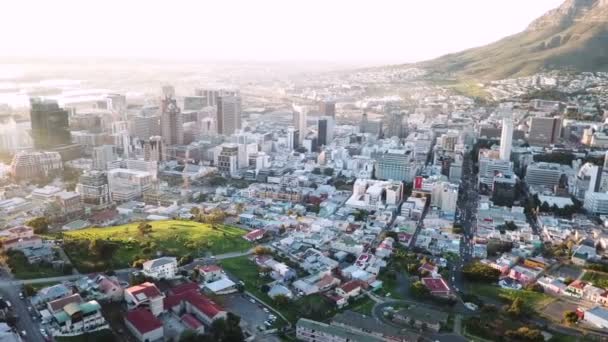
(395, 124)
(143, 126)
(328, 108)
(325, 128)
(50, 124)
(228, 114)
(544, 131)
(299, 121)
(506, 137)
(171, 122)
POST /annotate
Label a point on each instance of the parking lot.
(252, 314)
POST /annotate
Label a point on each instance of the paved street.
(19, 306)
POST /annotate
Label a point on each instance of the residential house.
(350, 289)
(255, 235)
(192, 302)
(145, 295)
(576, 289)
(279, 290)
(550, 284)
(78, 318)
(582, 254)
(20, 243)
(368, 325)
(595, 294)
(220, 286)
(524, 275)
(161, 268)
(209, 273)
(50, 293)
(437, 286)
(421, 316)
(144, 326)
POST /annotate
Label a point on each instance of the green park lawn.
(172, 237)
(531, 299)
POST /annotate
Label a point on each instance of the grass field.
(531, 299)
(363, 305)
(596, 278)
(175, 238)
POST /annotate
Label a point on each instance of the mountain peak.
(573, 36)
(566, 14)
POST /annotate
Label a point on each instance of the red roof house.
(437, 286)
(144, 325)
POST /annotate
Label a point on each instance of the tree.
(476, 271)
(328, 171)
(265, 288)
(144, 228)
(281, 300)
(418, 290)
(262, 250)
(39, 224)
(29, 290)
(516, 307)
(139, 263)
(570, 317)
(525, 334)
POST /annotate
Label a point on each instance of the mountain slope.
(573, 36)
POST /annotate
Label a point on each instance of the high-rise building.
(300, 121)
(228, 114)
(126, 185)
(171, 122)
(32, 165)
(50, 124)
(93, 188)
(394, 124)
(325, 130)
(546, 175)
(506, 137)
(143, 126)
(544, 131)
(102, 156)
(195, 102)
(168, 92)
(227, 160)
(396, 165)
(604, 175)
(116, 103)
(154, 149)
(327, 108)
(292, 138)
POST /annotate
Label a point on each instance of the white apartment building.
(596, 202)
(161, 268)
(125, 184)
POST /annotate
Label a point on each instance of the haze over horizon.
(379, 32)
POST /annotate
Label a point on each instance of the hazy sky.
(371, 31)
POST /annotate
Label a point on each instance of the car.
(267, 323)
(252, 300)
(266, 310)
(23, 333)
(21, 295)
(471, 306)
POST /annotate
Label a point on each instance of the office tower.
(171, 122)
(448, 141)
(194, 102)
(325, 130)
(50, 124)
(489, 168)
(588, 178)
(228, 114)
(327, 108)
(506, 137)
(300, 121)
(545, 174)
(143, 126)
(125, 185)
(154, 149)
(396, 165)
(604, 175)
(102, 156)
(33, 165)
(544, 131)
(292, 138)
(227, 160)
(93, 188)
(116, 103)
(596, 203)
(394, 124)
(210, 95)
(373, 127)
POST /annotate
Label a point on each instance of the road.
(466, 216)
(19, 306)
